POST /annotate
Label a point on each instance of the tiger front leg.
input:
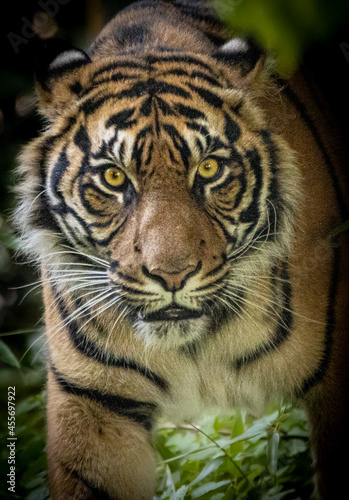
(95, 452)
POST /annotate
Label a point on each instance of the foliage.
(236, 457)
(31, 466)
(287, 27)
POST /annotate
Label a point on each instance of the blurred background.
(310, 32)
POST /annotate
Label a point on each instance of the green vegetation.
(287, 27)
(236, 457)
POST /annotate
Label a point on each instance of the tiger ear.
(244, 57)
(58, 71)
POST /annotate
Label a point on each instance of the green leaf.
(273, 452)
(206, 488)
(180, 494)
(39, 494)
(7, 356)
(169, 480)
(285, 28)
(208, 469)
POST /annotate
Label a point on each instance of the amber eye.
(208, 168)
(114, 176)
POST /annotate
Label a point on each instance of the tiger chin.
(178, 203)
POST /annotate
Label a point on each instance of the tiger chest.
(216, 382)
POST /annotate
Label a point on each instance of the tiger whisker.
(238, 298)
(42, 282)
(121, 315)
(92, 257)
(229, 306)
(101, 263)
(100, 310)
(82, 312)
(248, 242)
(64, 323)
(273, 302)
(254, 240)
(85, 264)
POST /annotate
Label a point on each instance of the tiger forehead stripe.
(161, 63)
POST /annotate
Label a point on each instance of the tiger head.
(161, 165)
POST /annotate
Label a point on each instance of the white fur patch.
(68, 57)
(172, 334)
(234, 45)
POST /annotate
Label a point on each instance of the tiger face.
(163, 167)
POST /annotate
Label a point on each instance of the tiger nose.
(172, 280)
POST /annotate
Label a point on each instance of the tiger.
(179, 203)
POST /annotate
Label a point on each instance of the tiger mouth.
(172, 313)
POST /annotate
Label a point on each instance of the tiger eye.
(114, 176)
(208, 168)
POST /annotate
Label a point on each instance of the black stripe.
(251, 213)
(149, 155)
(105, 242)
(274, 216)
(107, 223)
(208, 96)
(91, 490)
(61, 212)
(176, 72)
(243, 186)
(140, 412)
(312, 127)
(283, 326)
(231, 129)
(92, 104)
(121, 120)
(97, 193)
(228, 180)
(199, 128)
(320, 371)
(218, 268)
(210, 285)
(115, 77)
(42, 217)
(179, 143)
(138, 146)
(228, 236)
(128, 278)
(165, 108)
(91, 350)
(119, 64)
(59, 169)
(206, 78)
(189, 112)
(189, 60)
(152, 87)
(82, 141)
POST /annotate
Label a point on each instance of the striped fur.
(174, 292)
